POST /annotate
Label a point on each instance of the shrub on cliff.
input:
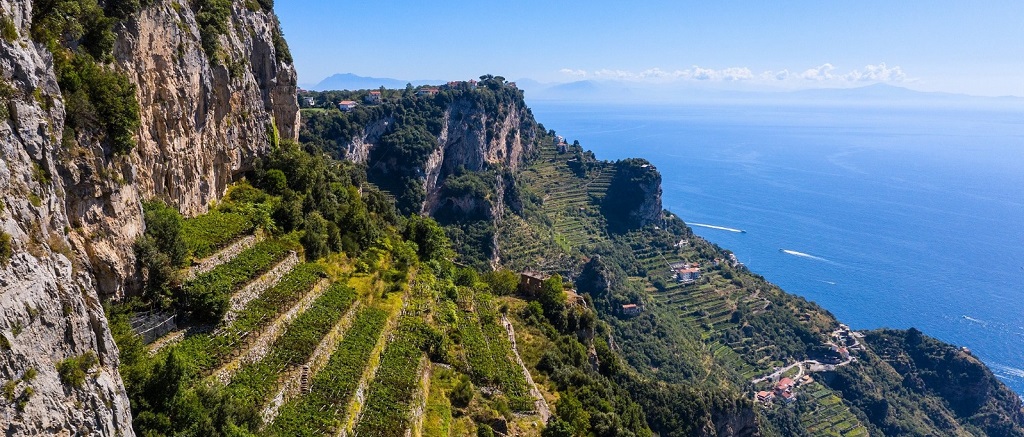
(100, 101)
(163, 225)
(73, 370)
(6, 249)
(213, 17)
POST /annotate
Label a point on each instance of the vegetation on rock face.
(6, 247)
(8, 31)
(73, 370)
(415, 121)
(635, 184)
(284, 54)
(213, 17)
(100, 102)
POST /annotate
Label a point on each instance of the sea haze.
(886, 217)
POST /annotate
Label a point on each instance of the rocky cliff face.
(471, 138)
(74, 212)
(474, 139)
(203, 123)
(634, 196)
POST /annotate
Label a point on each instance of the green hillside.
(306, 304)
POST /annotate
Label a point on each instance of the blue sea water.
(892, 217)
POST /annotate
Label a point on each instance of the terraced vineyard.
(210, 232)
(570, 211)
(208, 294)
(254, 384)
(508, 375)
(572, 203)
(390, 395)
(319, 412)
(210, 350)
(829, 415)
(523, 245)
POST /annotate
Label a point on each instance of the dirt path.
(538, 399)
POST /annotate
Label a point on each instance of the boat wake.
(720, 228)
(827, 282)
(972, 319)
(1006, 370)
(804, 255)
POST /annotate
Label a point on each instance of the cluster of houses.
(685, 272)
(374, 97)
(838, 354)
(783, 391)
(844, 341)
(456, 84)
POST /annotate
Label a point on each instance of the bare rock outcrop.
(475, 139)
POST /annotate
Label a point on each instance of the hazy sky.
(974, 47)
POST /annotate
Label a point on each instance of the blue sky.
(953, 46)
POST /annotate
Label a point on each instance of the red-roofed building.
(427, 91)
(687, 275)
(787, 397)
(632, 309)
(373, 97)
(347, 105)
(785, 385)
(765, 396)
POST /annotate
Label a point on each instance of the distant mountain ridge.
(878, 93)
(349, 81)
(590, 90)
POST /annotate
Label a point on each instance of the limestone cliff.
(203, 123)
(72, 209)
(474, 139)
(488, 128)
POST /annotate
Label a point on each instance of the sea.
(891, 217)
